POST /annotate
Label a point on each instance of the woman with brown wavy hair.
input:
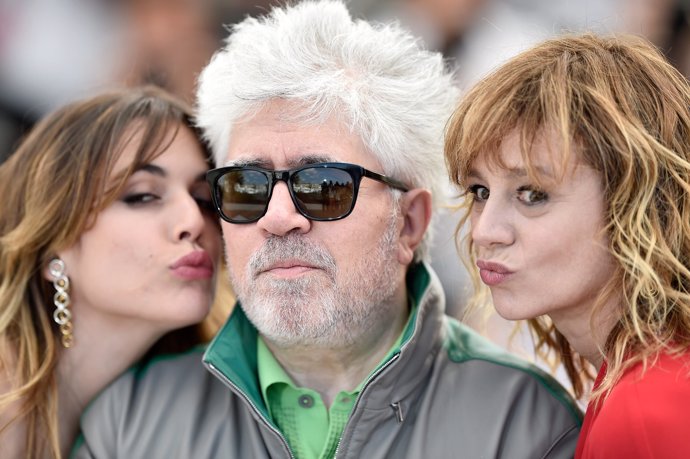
(107, 242)
(575, 160)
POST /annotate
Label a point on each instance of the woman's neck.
(585, 335)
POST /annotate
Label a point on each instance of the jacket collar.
(232, 353)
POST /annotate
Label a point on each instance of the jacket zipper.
(217, 373)
(397, 407)
(423, 300)
(359, 397)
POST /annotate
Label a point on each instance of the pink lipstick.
(492, 273)
(193, 266)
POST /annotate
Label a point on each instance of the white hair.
(377, 78)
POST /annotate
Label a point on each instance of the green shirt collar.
(271, 372)
(232, 354)
(312, 429)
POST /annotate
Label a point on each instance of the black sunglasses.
(320, 192)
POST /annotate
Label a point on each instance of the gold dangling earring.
(62, 314)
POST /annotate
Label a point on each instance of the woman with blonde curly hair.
(107, 242)
(575, 159)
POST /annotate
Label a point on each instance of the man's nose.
(282, 215)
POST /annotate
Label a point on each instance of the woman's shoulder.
(662, 376)
(646, 411)
(662, 388)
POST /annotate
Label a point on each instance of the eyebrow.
(264, 164)
(515, 172)
(153, 169)
(160, 172)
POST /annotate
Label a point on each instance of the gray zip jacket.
(447, 392)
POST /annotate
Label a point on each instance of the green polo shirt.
(311, 429)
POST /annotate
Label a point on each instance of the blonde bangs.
(618, 105)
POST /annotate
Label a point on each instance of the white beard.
(321, 309)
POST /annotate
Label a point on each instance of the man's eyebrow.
(312, 159)
(247, 162)
(295, 162)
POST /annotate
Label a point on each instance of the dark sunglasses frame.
(356, 172)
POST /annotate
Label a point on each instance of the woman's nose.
(189, 219)
(491, 224)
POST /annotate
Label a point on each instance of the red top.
(645, 415)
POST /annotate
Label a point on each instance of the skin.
(542, 249)
(126, 291)
(351, 301)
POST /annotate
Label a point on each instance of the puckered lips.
(493, 273)
(195, 265)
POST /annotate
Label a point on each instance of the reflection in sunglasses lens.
(319, 193)
(244, 194)
(323, 192)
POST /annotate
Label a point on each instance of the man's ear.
(415, 207)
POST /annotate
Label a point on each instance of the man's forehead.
(267, 145)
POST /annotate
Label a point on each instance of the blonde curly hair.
(617, 104)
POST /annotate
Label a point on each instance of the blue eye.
(531, 196)
(480, 193)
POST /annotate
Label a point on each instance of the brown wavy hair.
(616, 103)
(52, 188)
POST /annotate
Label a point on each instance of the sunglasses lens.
(323, 192)
(243, 195)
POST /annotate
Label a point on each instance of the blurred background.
(53, 52)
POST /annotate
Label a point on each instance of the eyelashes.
(139, 198)
(532, 196)
(479, 193)
(528, 195)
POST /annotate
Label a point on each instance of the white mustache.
(291, 247)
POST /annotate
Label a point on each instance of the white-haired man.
(329, 133)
